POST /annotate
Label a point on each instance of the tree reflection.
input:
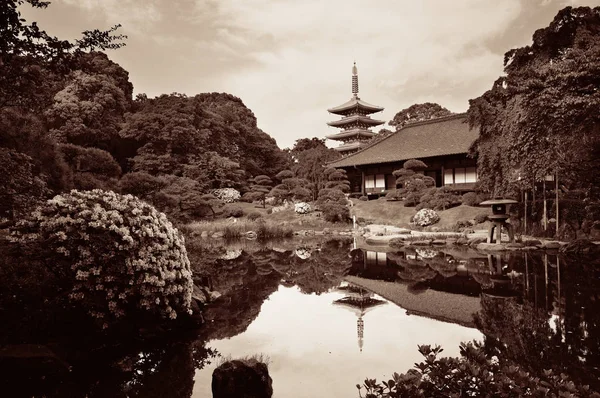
(556, 323)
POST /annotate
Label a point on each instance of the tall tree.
(543, 117)
(418, 113)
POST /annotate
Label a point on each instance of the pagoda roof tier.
(355, 103)
(350, 146)
(351, 133)
(356, 118)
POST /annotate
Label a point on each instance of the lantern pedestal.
(498, 219)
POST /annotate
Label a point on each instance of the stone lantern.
(498, 219)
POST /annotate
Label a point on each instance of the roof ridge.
(419, 123)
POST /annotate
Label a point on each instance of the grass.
(240, 228)
(382, 211)
(262, 358)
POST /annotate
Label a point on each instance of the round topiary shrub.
(425, 217)
(470, 199)
(255, 215)
(118, 256)
(480, 218)
(234, 211)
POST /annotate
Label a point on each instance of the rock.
(396, 242)
(550, 245)
(217, 235)
(438, 242)
(326, 231)
(490, 246)
(451, 241)
(514, 246)
(319, 233)
(476, 241)
(532, 242)
(251, 235)
(204, 234)
(421, 243)
(242, 379)
(462, 241)
(527, 248)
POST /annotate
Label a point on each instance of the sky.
(291, 60)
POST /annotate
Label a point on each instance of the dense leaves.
(418, 113)
(412, 182)
(543, 117)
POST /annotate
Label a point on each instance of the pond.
(328, 314)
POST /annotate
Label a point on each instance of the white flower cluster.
(302, 208)
(227, 195)
(425, 217)
(122, 253)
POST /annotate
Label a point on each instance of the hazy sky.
(290, 60)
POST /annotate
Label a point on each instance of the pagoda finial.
(355, 80)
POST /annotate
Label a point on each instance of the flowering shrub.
(425, 217)
(118, 254)
(302, 208)
(227, 195)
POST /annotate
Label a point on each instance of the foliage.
(480, 218)
(260, 188)
(91, 167)
(254, 216)
(309, 158)
(334, 205)
(290, 188)
(550, 88)
(474, 373)
(413, 184)
(32, 60)
(118, 256)
(417, 113)
(337, 179)
(425, 217)
(470, 199)
(234, 211)
(441, 198)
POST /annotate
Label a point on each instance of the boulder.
(550, 245)
(302, 208)
(242, 379)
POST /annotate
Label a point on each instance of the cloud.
(290, 60)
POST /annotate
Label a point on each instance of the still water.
(328, 315)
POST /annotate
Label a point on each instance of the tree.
(542, 117)
(337, 179)
(91, 168)
(310, 165)
(332, 200)
(290, 188)
(260, 188)
(32, 60)
(417, 113)
(413, 183)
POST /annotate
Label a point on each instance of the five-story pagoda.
(355, 121)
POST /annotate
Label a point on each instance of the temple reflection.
(359, 301)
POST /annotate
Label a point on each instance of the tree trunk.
(556, 200)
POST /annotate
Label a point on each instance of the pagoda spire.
(355, 80)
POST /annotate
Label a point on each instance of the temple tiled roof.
(355, 103)
(349, 146)
(355, 118)
(444, 136)
(351, 133)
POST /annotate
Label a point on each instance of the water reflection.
(329, 314)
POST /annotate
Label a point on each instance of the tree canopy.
(417, 113)
(543, 116)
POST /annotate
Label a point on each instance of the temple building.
(443, 144)
(355, 121)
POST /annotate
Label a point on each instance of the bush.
(470, 199)
(474, 374)
(480, 218)
(227, 195)
(439, 199)
(425, 217)
(234, 211)
(117, 255)
(254, 216)
(364, 198)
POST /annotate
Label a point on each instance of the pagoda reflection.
(359, 301)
